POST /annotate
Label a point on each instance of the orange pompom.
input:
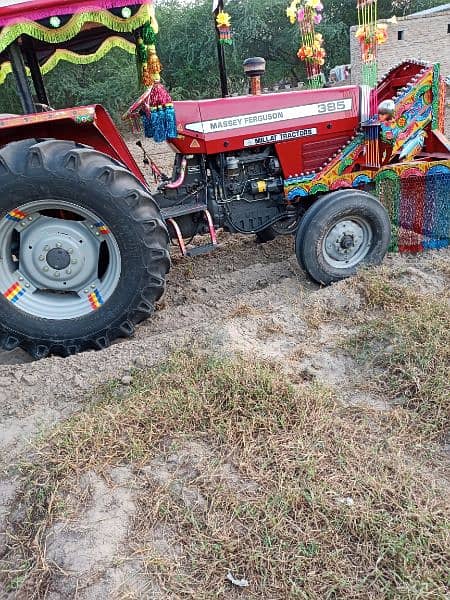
(147, 77)
(153, 63)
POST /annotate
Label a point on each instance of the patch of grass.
(407, 349)
(282, 519)
(380, 290)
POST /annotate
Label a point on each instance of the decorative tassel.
(141, 51)
(308, 14)
(159, 125)
(159, 96)
(223, 21)
(171, 124)
(147, 78)
(148, 34)
(154, 108)
(153, 121)
(153, 62)
(225, 36)
(147, 125)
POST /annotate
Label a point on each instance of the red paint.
(333, 129)
(397, 78)
(97, 130)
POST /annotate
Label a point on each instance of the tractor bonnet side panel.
(306, 127)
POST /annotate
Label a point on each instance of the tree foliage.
(187, 48)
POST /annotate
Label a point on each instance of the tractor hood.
(238, 122)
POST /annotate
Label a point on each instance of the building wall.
(424, 38)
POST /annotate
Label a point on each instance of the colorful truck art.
(415, 192)
(417, 197)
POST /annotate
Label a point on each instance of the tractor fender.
(89, 125)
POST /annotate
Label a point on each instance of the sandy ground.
(245, 298)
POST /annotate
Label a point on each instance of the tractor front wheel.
(83, 249)
(340, 232)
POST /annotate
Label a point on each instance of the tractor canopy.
(79, 31)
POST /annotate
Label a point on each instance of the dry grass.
(282, 519)
(406, 348)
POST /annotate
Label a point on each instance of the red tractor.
(84, 244)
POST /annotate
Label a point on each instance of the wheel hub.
(59, 255)
(58, 258)
(347, 243)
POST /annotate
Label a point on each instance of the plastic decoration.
(55, 22)
(74, 58)
(417, 197)
(308, 14)
(223, 21)
(154, 109)
(63, 33)
(370, 35)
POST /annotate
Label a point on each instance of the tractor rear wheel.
(83, 248)
(340, 232)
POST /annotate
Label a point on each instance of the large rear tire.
(342, 231)
(83, 249)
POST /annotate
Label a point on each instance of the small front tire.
(342, 231)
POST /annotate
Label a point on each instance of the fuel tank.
(305, 127)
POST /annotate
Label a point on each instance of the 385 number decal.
(330, 107)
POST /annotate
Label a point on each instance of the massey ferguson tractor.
(84, 245)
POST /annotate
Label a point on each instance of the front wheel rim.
(347, 242)
(58, 260)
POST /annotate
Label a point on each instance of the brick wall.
(424, 37)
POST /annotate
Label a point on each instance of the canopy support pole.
(36, 75)
(23, 87)
(221, 55)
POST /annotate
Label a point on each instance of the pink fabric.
(41, 9)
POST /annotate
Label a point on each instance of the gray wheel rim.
(50, 267)
(347, 242)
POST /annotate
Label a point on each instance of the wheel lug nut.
(41, 258)
(57, 274)
(70, 250)
(45, 268)
(46, 248)
(69, 271)
(74, 261)
(58, 245)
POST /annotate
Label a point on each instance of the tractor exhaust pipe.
(255, 68)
